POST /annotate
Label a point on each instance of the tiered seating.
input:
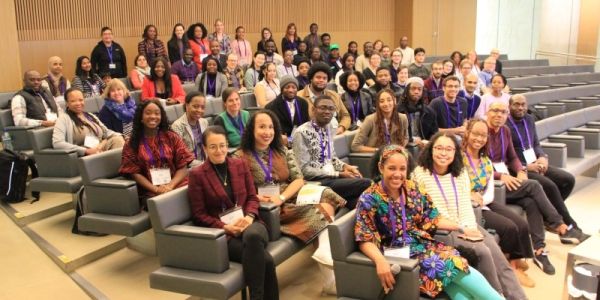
(561, 100)
(534, 83)
(20, 139)
(539, 70)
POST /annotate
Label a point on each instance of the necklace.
(222, 178)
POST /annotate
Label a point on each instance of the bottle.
(7, 141)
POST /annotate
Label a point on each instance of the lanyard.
(255, 75)
(475, 174)
(92, 125)
(109, 50)
(211, 87)
(274, 91)
(519, 133)
(201, 44)
(355, 105)
(149, 151)
(297, 113)
(392, 213)
(198, 142)
(267, 171)
(388, 139)
(470, 109)
(502, 143)
(437, 180)
(237, 122)
(458, 113)
(240, 49)
(322, 141)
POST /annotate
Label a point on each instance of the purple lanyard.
(502, 143)
(198, 142)
(109, 50)
(240, 49)
(388, 139)
(201, 44)
(149, 151)
(274, 91)
(92, 125)
(458, 113)
(519, 133)
(267, 171)
(237, 122)
(211, 87)
(355, 105)
(471, 101)
(322, 141)
(392, 213)
(297, 114)
(475, 169)
(437, 180)
(286, 70)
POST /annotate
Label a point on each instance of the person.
(222, 195)
(456, 57)
(312, 39)
(442, 174)
(369, 72)
(383, 80)
(465, 69)
(357, 101)
(86, 80)
(510, 227)
(288, 67)
(488, 71)
(54, 80)
(271, 54)
(325, 46)
(291, 39)
(362, 61)
(119, 108)
(234, 118)
(448, 68)
(474, 60)
(178, 43)
(265, 36)
(521, 190)
(397, 197)
(290, 109)
(408, 53)
(385, 127)
(154, 156)
(33, 105)
(241, 47)
(395, 65)
(150, 46)
(315, 55)
(108, 57)
(402, 77)
(191, 125)
(421, 118)
(353, 49)
(495, 53)
(303, 68)
(386, 56)
(140, 72)
(185, 68)
(212, 81)
(335, 64)
(162, 84)
(496, 95)
(377, 46)
(312, 143)
(556, 183)
(450, 110)
(300, 53)
(469, 94)
(234, 73)
(433, 84)
(215, 52)
(417, 68)
(253, 72)
(82, 131)
(318, 76)
(196, 35)
(220, 37)
(267, 89)
(347, 66)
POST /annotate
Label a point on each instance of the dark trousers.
(249, 249)
(512, 229)
(531, 197)
(558, 185)
(348, 188)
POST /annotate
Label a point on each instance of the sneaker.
(583, 236)
(573, 236)
(522, 265)
(543, 263)
(524, 279)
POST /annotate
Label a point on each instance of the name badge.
(50, 116)
(230, 216)
(203, 56)
(91, 141)
(269, 190)
(358, 123)
(328, 168)
(160, 176)
(112, 66)
(501, 168)
(295, 52)
(400, 252)
(529, 155)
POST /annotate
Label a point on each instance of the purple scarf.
(123, 112)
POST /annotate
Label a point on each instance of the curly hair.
(426, 157)
(247, 144)
(318, 67)
(137, 131)
(394, 120)
(344, 80)
(192, 28)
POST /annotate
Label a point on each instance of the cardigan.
(149, 92)
(62, 135)
(243, 50)
(220, 86)
(182, 127)
(368, 133)
(233, 134)
(152, 51)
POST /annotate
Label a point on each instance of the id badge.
(269, 190)
(160, 176)
(50, 116)
(230, 216)
(112, 66)
(529, 155)
(501, 168)
(91, 141)
(295, 52)
(358, 123)
(328, 168)
(400, 252)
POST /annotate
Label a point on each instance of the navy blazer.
(207, 195)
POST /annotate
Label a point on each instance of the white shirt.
(408, 55)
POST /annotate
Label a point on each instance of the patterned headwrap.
(390, 150)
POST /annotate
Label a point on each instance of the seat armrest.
(593, 124)
(361, 259)
(500, 192)
(591, 136)
(20, 128)
(362, 161)
(195, 231)
(113, 183)
(50, 151)
(575, 143)
(557, 153)
(269, 213)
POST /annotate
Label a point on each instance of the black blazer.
(278, 106)
(174, 49)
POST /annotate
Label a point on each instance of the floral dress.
(439, 264)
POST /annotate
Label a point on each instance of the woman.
(212, 82)
(55, 81)
(234, 73)
(191, 125)
(378, 228)
(403, 77)
(253, 72)
(456, 57)
(347, 66)
(119, 108)
(108, 57)
(358, 101)
(267, 89)
(353, 49)
(377, 46)
(497, 94)
(291, 40)
(77, 129)
(220, 36)
(151, 47)
(241, 47)
(234, 118)
(140, 72)
(222, 195)
(302, 77)
(512, 228)
(448, 68)
(371, 70)
(178, 43)
(154, 157)
(162, 85)
(386, 126)
(300, 54)
(86, 80)
(196, 35)
(266, 35)
(396, 64)
(472, 57)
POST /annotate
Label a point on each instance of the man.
(408, 54)
(234, 73)
(522, 191)
(312, 39)
(471, 82)
(33, 105)
(185, 68)
(108, 57)
(421, 119)
(334, 60)
(433, 84)
(465, 68)
(362, 61)
(386, 56)
(325, 44)
(271, 55)
(488, 71)
(417, 68)
(288, 67)
(450, 110)
(215, 52)
(291, 110)
(495, 53)
(318, 76)
(557, 183)
(313, 147)
(383, 79)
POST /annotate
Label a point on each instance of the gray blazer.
(221, 84)
(62, 136)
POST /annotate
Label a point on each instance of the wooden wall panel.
(589, 24)
(11, 75)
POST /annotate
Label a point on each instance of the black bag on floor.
(14, 167)
(80, 210)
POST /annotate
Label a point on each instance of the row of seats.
(480, 57)
(535, 83)
(540, 70)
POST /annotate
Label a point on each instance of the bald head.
(55, 65)
(32, 79)
(489, 64)
(518, 106)
(470, 83)
(496, 115)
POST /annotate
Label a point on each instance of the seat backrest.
(592, 113)
(41, 139)
(248, 100)
(100, 101)
(341, 147)
(171, 113)
(217, 105)
(542, 129)
(172, 208)
(136, 96)
(341, 236)
(6, 118)
(91, 105)
(574, 119)
(101, 165)
(179, 110)
(5, 99)
(189, 87)
(350, 135)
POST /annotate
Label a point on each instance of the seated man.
(271, 55)
(488, 71)
(291, 110)
(215, 51)
(417, 68)
(557, 183)
(362, 61)
(383, 79)
(469, 93)
(186, 69)
(314, 150)
(421, 119)
(33, 105)
(450, 110)
(287, 68)
(433, 84)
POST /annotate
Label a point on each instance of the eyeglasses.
(478, 135)
(498, 111)
(444, 149)
(214, 147)
(326, 108)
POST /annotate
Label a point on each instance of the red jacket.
(177, 92)
(199, 50)
(207, 195)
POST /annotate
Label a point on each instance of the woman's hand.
(473, 232)
(384, 272)
(232, 230)
(477, 197)
(172, 101)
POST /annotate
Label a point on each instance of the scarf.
(57, 85)
(123, 112)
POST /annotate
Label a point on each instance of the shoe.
(522, 265)
(583, 236)
(573, 236)
(524, 279)
(543, 263)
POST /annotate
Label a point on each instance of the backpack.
(15, 166)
